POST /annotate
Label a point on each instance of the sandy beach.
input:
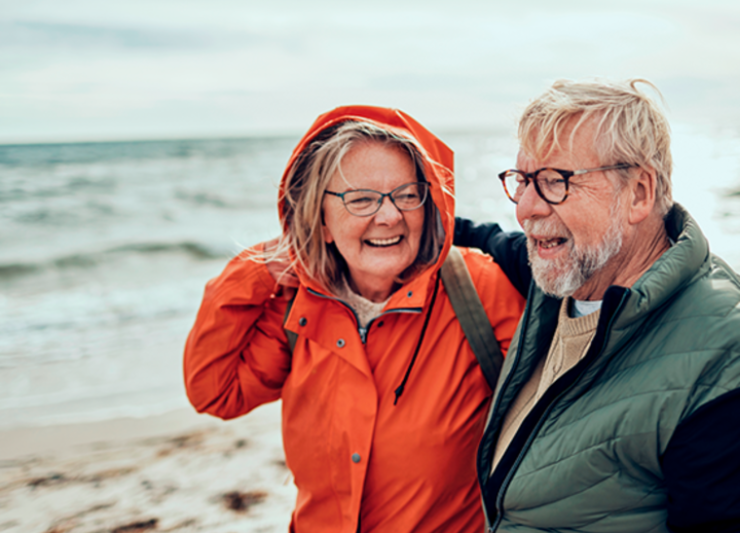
(178, 472)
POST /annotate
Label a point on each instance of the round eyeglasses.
(551, 184)
(366, 202)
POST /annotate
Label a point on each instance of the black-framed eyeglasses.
(366, 202)
(550, 183)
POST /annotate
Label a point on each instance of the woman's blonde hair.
(303, 195)
(630, 127)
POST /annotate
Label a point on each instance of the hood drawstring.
(400, 388)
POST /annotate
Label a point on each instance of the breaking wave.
(193, 250)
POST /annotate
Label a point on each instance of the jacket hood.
(438, 163)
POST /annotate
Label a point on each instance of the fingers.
(282, 272)
(288, 278)
(282, 292)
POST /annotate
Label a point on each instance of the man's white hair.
(630, 127)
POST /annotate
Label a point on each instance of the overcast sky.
(142, 69)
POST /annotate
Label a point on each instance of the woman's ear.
(642, 186)
(328, 237)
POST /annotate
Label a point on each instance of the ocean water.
(105, 249)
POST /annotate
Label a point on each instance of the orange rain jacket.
(356, 458)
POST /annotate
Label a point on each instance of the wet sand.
(179, 472)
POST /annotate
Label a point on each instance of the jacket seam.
(611, 513)
(337, 497)
(584, 450)
(599, 482)
(687, 318)
(722, 397)
(664, 355)
(620, 400)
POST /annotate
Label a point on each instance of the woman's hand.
(281, 270)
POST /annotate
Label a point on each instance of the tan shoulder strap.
(472, 316)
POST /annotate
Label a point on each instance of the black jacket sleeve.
(701, 467)
(509, 249)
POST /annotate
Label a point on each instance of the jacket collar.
(676, 268)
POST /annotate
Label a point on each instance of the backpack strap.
(472, 316)
(292, 335)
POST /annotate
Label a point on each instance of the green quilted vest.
(587, 458)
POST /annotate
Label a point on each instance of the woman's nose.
(388, 213)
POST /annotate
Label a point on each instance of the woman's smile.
(384, 243)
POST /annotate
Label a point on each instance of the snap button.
(340, 343)
(302, 321)
(356, 458)
(409, 294)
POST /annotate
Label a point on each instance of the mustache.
(546, 227)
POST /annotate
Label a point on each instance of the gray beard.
(564, 276)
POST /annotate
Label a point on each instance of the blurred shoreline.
(19, 442)
(177, 472)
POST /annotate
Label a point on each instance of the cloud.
(149, 68)
(54, 36)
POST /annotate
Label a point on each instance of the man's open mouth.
(550, 243)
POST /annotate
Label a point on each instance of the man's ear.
(642, 186)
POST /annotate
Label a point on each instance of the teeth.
(550, 243)
(384, 242)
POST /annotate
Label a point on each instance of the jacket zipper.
(363, 331)
(497, 400)
(535, 430)
(514, 366)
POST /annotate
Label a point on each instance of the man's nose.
(388, 213)
(531, 204)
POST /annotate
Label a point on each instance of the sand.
(180, 472)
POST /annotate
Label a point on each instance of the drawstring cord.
(400, 388)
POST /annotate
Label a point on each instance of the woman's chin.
(375, 280)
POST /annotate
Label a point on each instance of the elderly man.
(618, 406)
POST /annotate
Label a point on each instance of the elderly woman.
(383, 398)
